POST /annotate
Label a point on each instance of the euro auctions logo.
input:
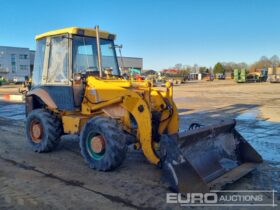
(192, 198)
(224, 198)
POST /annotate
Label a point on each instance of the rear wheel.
(103, 143)
(43, 130)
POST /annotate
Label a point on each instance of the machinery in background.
(133, 74)
(208, 77)
(173, 75)
(220, 76)
(2, 80)
(136, 74)
(242, 75)
(274, 75)
(152, 76)
(260, 74)
(128, 73)
(275, 78)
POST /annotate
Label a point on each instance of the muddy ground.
(61, 179)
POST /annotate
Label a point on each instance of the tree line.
(228, 67)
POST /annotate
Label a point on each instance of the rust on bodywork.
(44, 96)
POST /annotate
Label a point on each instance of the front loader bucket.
(206, 158)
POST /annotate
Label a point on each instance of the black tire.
(114, 139)
(50, 130)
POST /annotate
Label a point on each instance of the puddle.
(13, 111)
(263, 135)
(251, 115)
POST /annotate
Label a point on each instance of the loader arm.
(140, 111)
(135, 99)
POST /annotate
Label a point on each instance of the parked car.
(19, 80)
(220, 76)
(2, 80)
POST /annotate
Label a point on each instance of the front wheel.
(103, 143)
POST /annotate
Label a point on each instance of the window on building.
(13, 62)
(14, 69)
(23, 56)
(23, 67)
(13, 57)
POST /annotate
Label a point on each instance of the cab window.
(84, 54)
(58, 60)
(39, 62)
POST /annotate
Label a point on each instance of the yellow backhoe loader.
(77, 88)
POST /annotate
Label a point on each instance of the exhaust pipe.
(98, 51)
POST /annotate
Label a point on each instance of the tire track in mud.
(11, 198)
(73, 183)
(5, 205)
(21, 131)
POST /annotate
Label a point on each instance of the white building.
(14, 62)
(130, 63)
(17, 62)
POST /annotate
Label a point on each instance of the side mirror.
(77, 77)
(108, 71)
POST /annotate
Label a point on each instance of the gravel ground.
(61, 180)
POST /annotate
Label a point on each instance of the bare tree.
(275, 61)
(178, 66)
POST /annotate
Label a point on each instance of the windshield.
(85, 55)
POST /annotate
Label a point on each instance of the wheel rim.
(36, 131)
(96, 146)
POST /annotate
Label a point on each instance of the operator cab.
(63, 53)
(64, 56)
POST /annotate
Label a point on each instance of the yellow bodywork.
(73, 123)
(120, 99)
(77, 31)
(132, 103)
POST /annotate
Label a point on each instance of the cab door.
(56, 78)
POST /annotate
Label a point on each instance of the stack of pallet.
(274, 75)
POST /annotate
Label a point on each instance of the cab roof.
(77, 31)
